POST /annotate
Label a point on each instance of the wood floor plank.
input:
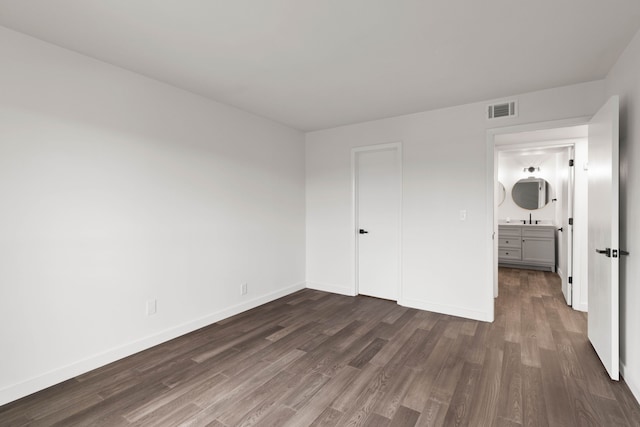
(246, 403)
(558, 401)
(159, 409)
(594, 373)
(445, 384)
(314, 358)
(346, 399)
(510, 397)
(424, 380)
(363, 405)
(323, 399)
(242, 385)
(485, 405)
(405, 417)
(306, 387)
(533, 402)
(433, 413)
(277, 417)
(328, 418)
(115, 406)
(376, 420)
(392, 396)
(459, 412)
(583, 403)
(626, 402)
(406, 341)
(368, 353)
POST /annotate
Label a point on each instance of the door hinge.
(570, 221)
(571, 162)
(570, 279)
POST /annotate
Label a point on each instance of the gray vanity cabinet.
(527, 246)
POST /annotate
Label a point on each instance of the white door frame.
(491, 248)
(397, 146)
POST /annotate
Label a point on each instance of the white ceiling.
(319, 64)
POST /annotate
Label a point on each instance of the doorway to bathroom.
(541, 205)
(596, 227)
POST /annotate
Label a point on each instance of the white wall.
(510, 171)
(445, 262)
(117, 189)
(623, 80)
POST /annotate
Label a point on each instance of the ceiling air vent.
(502, 109)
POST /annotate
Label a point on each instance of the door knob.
(622, 252)
(363, 231)
(606, 251)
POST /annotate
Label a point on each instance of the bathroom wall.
(510, 170)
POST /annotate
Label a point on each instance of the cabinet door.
(538, 250)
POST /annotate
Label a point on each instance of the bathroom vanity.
(527, 246)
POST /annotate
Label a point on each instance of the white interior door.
(378, 222)
(603, 321)
(567, 229)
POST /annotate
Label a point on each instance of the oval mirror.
(502, 193)
(531, 193)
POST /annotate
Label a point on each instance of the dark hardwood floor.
(314, 358)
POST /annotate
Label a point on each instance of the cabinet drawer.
(506, 254)
(509, 242)
(509, 231)
(546, 233)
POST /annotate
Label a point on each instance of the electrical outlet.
(243, 289)
(152, 307)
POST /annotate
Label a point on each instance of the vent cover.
(502, 109)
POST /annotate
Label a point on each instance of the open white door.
(603, 320)
(567, 228)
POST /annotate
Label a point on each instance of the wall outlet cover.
(152, 307)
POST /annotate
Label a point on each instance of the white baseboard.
(334, 289)
(40, 382)
(580, 307)
(633, 383)
(446, 309)
(420, 305)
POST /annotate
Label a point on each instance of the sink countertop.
(502, 222)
